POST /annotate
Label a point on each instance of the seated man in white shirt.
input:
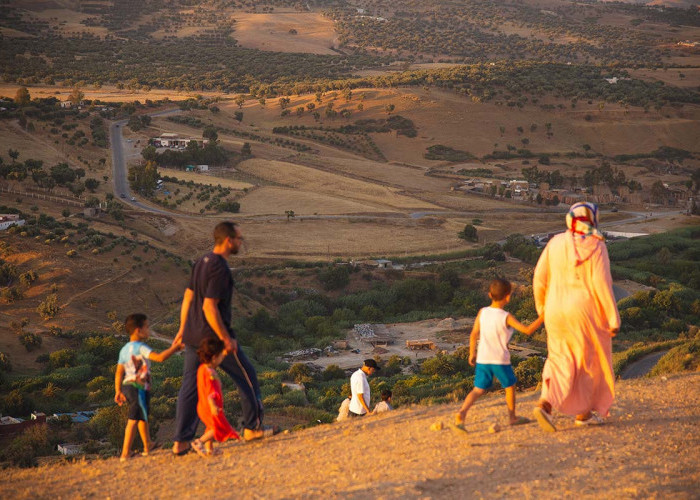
(384, 405)
(359, 387)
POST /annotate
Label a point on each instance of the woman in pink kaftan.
(573, 289)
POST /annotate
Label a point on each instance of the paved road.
(642, 366)
(119, 170)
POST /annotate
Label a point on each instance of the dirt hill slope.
(647, 449)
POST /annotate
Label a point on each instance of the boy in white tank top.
(493, 328)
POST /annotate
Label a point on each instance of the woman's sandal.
(544, 419)
(198, 447)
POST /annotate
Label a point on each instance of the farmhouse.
(169, 140)
(8, 220)
(519, 187)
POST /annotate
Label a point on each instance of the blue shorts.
(483, 379)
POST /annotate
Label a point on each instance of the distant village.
(521, 190)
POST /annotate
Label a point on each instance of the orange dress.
(208, 384)
(579, 309)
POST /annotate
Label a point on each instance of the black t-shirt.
(211, 278)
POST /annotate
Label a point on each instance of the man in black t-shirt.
(206, 312)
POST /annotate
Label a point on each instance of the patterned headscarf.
(582, 222)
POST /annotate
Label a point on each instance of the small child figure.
(344, 410)
(210, 406)
(493, 328)
(132, 381)
(384, 405)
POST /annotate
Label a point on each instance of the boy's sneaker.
(544, 419)
(592, 420)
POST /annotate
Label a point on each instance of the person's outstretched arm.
(527, 330)
(473, 337)
(159, 357)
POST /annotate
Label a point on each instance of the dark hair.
(386, 394)
(209, 348)
(134, 321)
(499, 289)
(224, 230)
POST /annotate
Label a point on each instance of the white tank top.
(494, 335)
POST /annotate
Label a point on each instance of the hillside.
(649, 448)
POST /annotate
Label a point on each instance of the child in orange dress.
(210, 406)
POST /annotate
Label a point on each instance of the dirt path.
(647, 449)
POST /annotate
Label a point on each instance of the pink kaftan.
(579, 313)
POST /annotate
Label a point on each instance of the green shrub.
(70, 377)
(23, 450)
(334, 277)
(333, 372)
(62, 358)
(5, 364)
(300, 373)
(109, 422)
(685, 357)
(30, 341)
(529, 372)
(16, 404)
(49, 307)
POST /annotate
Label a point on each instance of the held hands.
(231, 345)
(614, 331)
(119, 398)
(177, 341)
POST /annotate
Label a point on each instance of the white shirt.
(382, 406)
(494, 335)
(359, 385)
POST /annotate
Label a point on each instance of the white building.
(8, 220)
(69, 449)
(170, 140)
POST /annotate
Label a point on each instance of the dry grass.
(315, 181)
(309, 239)
(269, 200)
(671, 76)
(107, 93)
(315, 33)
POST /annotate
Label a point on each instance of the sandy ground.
(648, 448)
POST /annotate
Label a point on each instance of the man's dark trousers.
(238, 367)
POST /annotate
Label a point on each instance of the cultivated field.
(315, 181)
